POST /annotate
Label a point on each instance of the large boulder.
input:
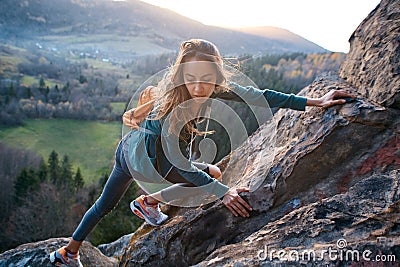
(336, 231)
(334, 176)
(37, 254)
(373, 63)
(321, 156)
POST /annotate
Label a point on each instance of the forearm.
(271, 98)
(316, 102)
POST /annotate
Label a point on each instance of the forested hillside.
(289, 73)
(43, 85)
(38, 192)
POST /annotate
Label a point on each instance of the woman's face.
(200, 78)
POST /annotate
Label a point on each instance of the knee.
(215, 172)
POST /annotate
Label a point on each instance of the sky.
(328, 23)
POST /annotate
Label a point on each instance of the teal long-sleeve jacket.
(149, 156)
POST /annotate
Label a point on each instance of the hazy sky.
(325, 22)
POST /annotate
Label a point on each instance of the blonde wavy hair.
(173, 89)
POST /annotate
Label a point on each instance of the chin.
(200, 99)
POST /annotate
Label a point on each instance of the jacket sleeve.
(252, 96)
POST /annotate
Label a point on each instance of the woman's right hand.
(126, 118)
(235, 203)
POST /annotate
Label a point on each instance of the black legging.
(116, 186)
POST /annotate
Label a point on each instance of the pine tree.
(42, 172)
(21, 185)
(11, 90)
(54, 168)
(78, 179)
(66, 172)
(29, 92)
(42, 83)
(82, 79)
(25, 181)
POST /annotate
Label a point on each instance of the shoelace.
(154, 211)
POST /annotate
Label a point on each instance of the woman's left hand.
(333, 97)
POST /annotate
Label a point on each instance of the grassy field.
(89, 145)
(28, 81)
(10, 63)
(118, 107)
(111, 43)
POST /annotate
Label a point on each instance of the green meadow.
(90, 145)
(28, 81)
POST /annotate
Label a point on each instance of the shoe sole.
(137, 210)
(137, 213)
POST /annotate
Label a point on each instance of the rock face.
(373, 63)
(37, 254)
(335, 231)
(334, 180)
(335, 176)
(333, 186)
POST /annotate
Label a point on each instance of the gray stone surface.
(373, 62)
(37, 254)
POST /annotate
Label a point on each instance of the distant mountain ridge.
(281, 36)
(135, 19)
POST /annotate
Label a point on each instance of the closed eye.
(207, 78)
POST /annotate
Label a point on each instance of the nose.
(198, 86)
